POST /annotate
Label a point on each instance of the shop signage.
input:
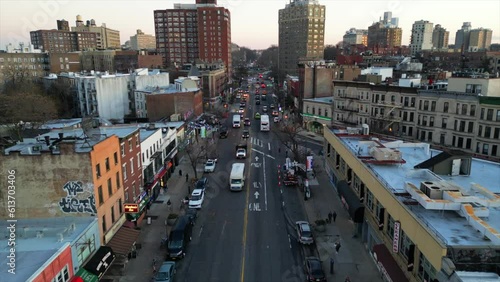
(395, 240)
(84, 276)
(131, 208)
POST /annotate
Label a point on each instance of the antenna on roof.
(90, 127)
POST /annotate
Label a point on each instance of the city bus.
(264, 123)
(236, 121)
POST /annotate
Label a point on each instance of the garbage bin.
(149, 220)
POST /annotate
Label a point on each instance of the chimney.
(60, 135)
(47, 140)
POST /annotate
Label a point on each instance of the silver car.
(304, 232)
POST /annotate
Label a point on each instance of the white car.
(277, 119)
(197, 198)
(241, 153)
(210, 165)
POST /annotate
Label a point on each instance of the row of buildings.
(81, 188)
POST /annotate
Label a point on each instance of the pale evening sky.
(254, 22)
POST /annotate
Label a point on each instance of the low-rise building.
(316, 113)
(424, 215)
(129, 61)
(49, 249)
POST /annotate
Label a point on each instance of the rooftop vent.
(60, 237)
(39, 234)
(385, 154)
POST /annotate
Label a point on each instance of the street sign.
(131, 208)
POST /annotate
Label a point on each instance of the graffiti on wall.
(78, 199)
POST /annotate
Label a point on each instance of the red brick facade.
(183, 103)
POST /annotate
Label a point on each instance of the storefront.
(351, 202)
(83, 275)
(100, 262)
(387, 265)
(154, 188)
(135, 212)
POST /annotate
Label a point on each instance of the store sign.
(131, 208)
(395, 241)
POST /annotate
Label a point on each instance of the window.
(445, 107)
(118, 182)
(498, 115)
(115, 156)
(110, 187)
(444, 123)
(480, 131)
(107, 164)
(124, 171)
(464, 109)
(137, 142)
(426, 272)
(98, 170)
(494, 149)
(457, 109)
(130, 145)
(486, 149)
(489, 115)
(369, 200)
(482, 113)
(496, 133)
(138, 160)
(112, 214)
(487, 131)
(431, 121)
(426, 105)
(472, 110)
(120, 206)
(471, 127)
(104, 223)
(390, 227)
(433, 106)
(100, 196)
(131, 165)
(122, 146)
(85, 249)
(406, 244)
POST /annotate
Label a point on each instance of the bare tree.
(200, 149)
(288, 133)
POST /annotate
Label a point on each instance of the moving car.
(246, 134)
(179, 237)
(275, 113)
(264, 109)
(166, 272)
(241, 110)
(243, 104)
(197, 197)
(241, 151)
(246, 122)
(223, 132)
(210, 165)
(314, 270)
(272, 106)
(277, 119)
(202, 183)
(257, 115)
(304, 232)
(257, 102)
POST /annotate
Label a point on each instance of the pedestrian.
(334, 216)
(332, 262)
(180, 172)
(279, 149)
(347, 279)
(330, 216)
(337, 247)
(187, 177)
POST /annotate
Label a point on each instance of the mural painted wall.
(79, 198)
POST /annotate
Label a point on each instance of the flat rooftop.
(32, 252)
(449, 225)
(326, 100)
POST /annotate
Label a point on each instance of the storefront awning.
(101, 261)
(83, 275)
(123, 240)
(351, 202)
(388, 264)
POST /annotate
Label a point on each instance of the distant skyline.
(254, 23)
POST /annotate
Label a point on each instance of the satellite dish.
(90, 126)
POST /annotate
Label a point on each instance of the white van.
(237, 121)
(237, 177)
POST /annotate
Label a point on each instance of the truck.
(264, 123)
(236, 121)
(237, 177)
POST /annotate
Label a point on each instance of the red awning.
(388, 264)
(122, 241)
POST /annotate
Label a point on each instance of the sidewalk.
(140, 269)
(315, 137)
(352, 260)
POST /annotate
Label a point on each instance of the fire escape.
(349, 107)
(386, 117)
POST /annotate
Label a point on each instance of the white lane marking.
(289, 241)
(201, 230)
(223, 228)
(265, 181)
(260, 152)
(269, 146)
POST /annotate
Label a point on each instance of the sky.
(254, 22)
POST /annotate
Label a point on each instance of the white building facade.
(421, 36)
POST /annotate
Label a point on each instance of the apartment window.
(431, 121)
(460, 143)
(122, 146)
(131, 165)
(115, 156)
(86, 249)
(486, 149)
(433, 106)
(464, 109)
(138, 160)
(426, 272)
(98, 170)
(100, 196)
(429, 136)
(390, 227)
(468, 143)
(420, 105)
(489, 115)
(104, 223)
(406, 244)
(494, 149)
(480, 131)
(478, 146)
(462, 126)
(107, 164)
(487, 131)
(130, 145)
(482, 113)
(124, 171)
(458, 109)
(442, 138)
(110, 187)
(470, 129)
(472, 110)
(496, 133)
(426, 105)
(446, 107)
(137, 142)
(369, 200)
(444, 123)
(112, 214)
(118, 182)
(498, 115)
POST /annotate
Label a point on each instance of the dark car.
(257, 102)
(246, 122)
(314, 270)
(272, 106)
(223, 132)
(192, 214)
(180, 236)
(246, 134)
(201, 184)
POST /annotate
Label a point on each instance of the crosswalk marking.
(257, 142)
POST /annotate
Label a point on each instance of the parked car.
(197, 197)
(304, 232)
(210, 165)
(246, 134)
(202, 183)
(166, 272)
(179, 238)
(246, 122)
(314, 270)
(223, 132)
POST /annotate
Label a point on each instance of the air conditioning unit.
(37, 148)
(431, 189)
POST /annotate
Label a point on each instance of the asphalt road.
(247, 236)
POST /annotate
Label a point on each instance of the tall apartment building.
(440, 37)
(194, 31)
(23, 62)
(421, 36)
(63, 40)
(462, 37)
(356, 36)
(141, 41)
(301, 33)
(480, 39)
(106, 38)
(385, 34)
(466, 116)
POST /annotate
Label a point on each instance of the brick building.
(64, 62)
(62, 40)
(127, 61)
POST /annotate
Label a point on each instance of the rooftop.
(326, 100)
(462, 209)
(37, 240)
